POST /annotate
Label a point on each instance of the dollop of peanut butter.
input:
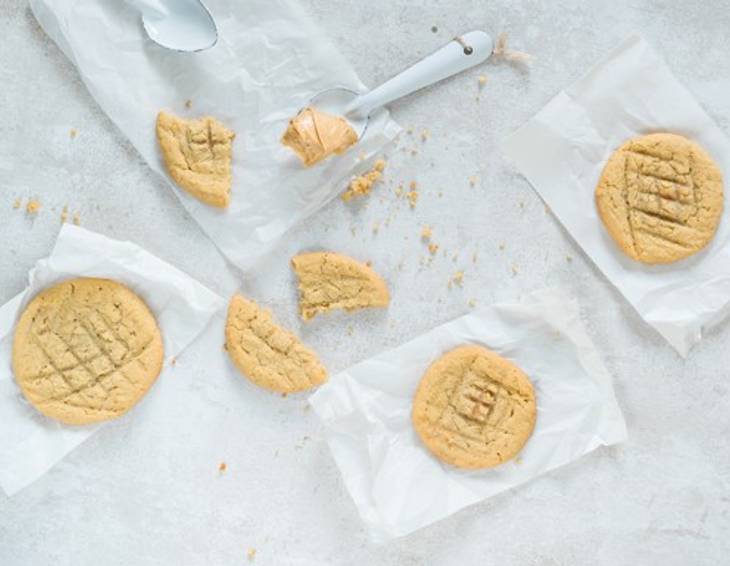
(315, 135)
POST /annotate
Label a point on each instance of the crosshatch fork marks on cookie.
(86, 350)
(473, 408)
(660, 197)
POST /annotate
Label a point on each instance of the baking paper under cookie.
(397, 485)
(269, 61)
(31, 444)
(563, 149)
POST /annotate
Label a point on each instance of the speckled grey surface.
(153, 494)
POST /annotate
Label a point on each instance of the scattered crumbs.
(425, 134)
(434, 29)
(188, 104)
(472, 303)
(33, 206)
(474, 257)
(511, 55)
(473, 180)
(64, 214)
(412, 197)
(501, 247)
(413, 185)
(426, 233)
(399, 190)
(458, 278)
(251, 554)
(482, 79)
(568, 258)
(73, 133)
(17, 203)
(514, 270)
(77, 219)
(376, 227)
(433, 248)
(222, 467)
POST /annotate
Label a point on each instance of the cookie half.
(474, 409)
(197, 155)
(266, 354)
(660, 197)
(330, 281)
(86, 350)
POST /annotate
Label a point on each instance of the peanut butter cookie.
(332, 281)
(474, 409)
(660, 197)
(86, 350)
(267, 354)
(197, 154)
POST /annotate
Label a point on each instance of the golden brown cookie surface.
(330, 281)
(473, 408)
(266, 354)
(660, 197)
(86, 350)
(197, 154)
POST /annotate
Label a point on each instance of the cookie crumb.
(433, 248)
(426, 233)
(222, 467)
(350, 330)
(376, 227)
(425, 134)
(522, 204)
(514, 270)
(472, 303)
(188, 104)
(64, 214)
(409, 131)
(17, 203)
(173, 361)
(73, 133)
(412, 197)
(458, 278)
(473, 180)
(482, 80)
(511, 55)
(362, 185)
(77, 219)
(251, 554)
(33, 206)
(569, 259)
(501, 247)
(399, 190)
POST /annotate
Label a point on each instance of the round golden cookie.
(86, 350)
(660, 197)
(474, 409)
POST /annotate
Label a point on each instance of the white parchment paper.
(563, 149)
(30, 443)
(397, 485)
(269, 61)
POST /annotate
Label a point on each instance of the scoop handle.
(462, 53)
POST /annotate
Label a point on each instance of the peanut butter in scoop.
(315, 135)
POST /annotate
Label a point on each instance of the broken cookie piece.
(267, 354)
(314, 135)
(197, 154)
(330, 281)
